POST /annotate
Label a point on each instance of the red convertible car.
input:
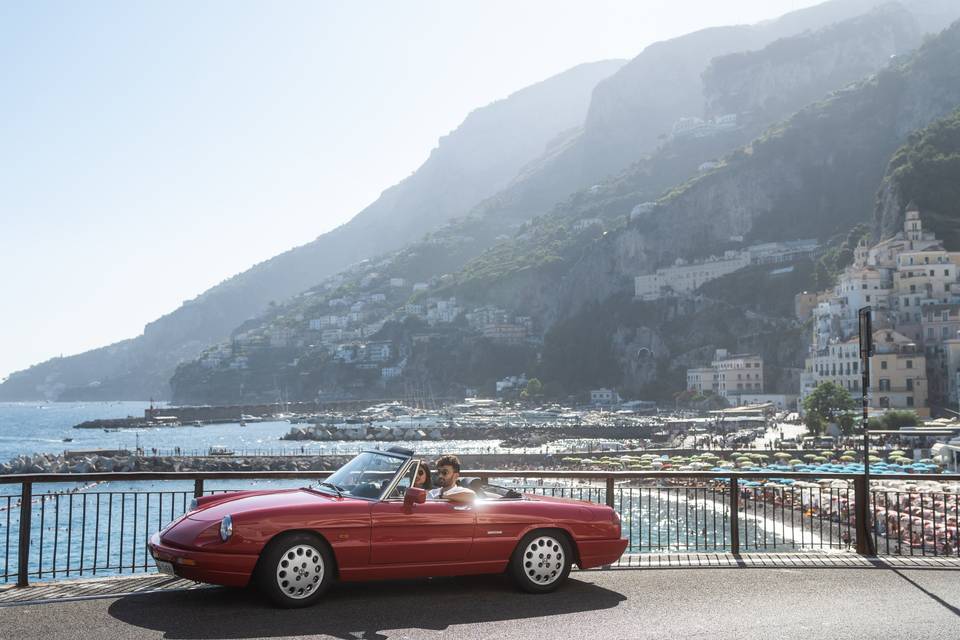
(367, 522)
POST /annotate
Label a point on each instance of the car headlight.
(193, 505)
(226, 528)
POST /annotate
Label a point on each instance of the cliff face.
(631, 108)
(634, 110)
(469, 164)
(926, 172)
(814, 176)
(768, 83)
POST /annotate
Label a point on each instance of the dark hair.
(449, 460)
(428, 483)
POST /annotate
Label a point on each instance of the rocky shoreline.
(126, 462)
(515, 436)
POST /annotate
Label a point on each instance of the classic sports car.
(367, 522)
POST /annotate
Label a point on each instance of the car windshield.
(366, 476)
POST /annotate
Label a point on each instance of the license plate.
(165, 567)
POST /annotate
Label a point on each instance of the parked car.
(367, 522)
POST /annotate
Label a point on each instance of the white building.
(583, 223)
(604, 397)
(685, 277)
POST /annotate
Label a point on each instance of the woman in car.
(423, 480)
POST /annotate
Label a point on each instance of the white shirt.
(440, 493)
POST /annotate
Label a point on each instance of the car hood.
(249, 501)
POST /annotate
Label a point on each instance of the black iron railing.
(99, 523)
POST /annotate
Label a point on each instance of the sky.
(150, 150)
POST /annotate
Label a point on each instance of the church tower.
(912, 226)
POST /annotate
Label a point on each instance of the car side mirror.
(414, 495)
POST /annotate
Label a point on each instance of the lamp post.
(864, 540)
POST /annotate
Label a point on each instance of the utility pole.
(863, 501)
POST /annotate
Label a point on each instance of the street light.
(866, 350)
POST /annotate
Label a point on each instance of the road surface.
(688, 603)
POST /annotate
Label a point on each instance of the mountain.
(765, 85)
(630, 119)
(813, 176)
(469, 164)
(816, 175)
(556, 270)
(926, 172)
(636, 108)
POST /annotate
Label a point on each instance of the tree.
(826, 404)
(534, 387)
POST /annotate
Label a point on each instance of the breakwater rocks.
(523, 436)
(126, 462)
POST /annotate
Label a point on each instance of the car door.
(433, 531)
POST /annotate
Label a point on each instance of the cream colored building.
(898, 377)
(729, 375)
(685, 277)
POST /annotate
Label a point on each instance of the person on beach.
(448, 468)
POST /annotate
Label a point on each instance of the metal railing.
(102, 527)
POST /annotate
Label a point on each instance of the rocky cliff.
(815, 175)
(767, 84)
(925, 172)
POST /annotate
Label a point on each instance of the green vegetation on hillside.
(927, 172)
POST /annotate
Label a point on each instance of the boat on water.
(67, 439)
(221, 451)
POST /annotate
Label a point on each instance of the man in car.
(448, 468)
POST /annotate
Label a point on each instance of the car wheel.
(295, 569)
(542, 561)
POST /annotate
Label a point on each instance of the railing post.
(26, 517)
(734, 516)
(610, 501)
(862, 515)
(198, 487)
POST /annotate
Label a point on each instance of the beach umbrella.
(849, 453)
(795, 461)
(846, 458)
(810, 456)
(781, 454)
(896, 453)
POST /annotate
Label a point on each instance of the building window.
(909, 364)
(909, 401)
(868, 298)
(883, 364)
(909, 384)
(884, 384)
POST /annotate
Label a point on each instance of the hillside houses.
(912, 285)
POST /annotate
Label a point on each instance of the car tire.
(542, 561)
(295, 569)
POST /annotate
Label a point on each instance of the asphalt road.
(687, 603)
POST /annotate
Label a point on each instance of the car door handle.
(465, 507)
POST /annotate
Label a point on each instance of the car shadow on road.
(357, 610)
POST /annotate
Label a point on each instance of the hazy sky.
(151, 149)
